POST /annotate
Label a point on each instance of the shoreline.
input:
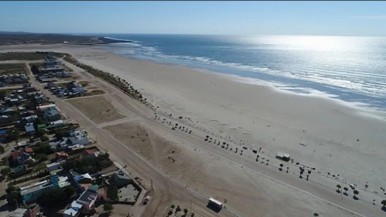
(361, 108)
(285, 83)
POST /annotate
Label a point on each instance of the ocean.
(352, 69)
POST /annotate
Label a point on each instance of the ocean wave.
(354, 80)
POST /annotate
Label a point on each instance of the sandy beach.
(332, 137)
(335, 138)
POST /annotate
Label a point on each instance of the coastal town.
(50, 166)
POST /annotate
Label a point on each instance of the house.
(18, 170)
(73, 210)
(4, 135)
(57, 123)
(21, 157)
(120, 179)
(29, 128)
(78, 137)
(90, 153)
(75, 148)
(88, 199)
(30, 119)
(51, 69)
(43, 107)
(61, 155)
(54, 166)
(31, 192)
(7, 120)
(51, 114)
(83, 178)
(28, 150)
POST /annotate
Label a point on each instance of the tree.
(13, 194)
(107, 207)
(1, 150)
(5, 171)
(34, 69)
(112, 192)
(41, 157)
(52, 197)
(44, 138)
(178, 209)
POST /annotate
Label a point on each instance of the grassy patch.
(22, 56)
(11, 68)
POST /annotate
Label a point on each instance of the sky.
(226, 18)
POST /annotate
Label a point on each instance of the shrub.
(41, 157)
(112, 192)
(5, 171)
(107, 207)
(1, 150)
(44, 138)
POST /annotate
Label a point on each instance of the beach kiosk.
(283, 156)
(214, 205)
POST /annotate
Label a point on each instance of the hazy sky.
(239, 18)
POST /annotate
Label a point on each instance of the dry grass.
(98, 109)
(13, 68)
(136, 136)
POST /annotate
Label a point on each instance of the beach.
(339, 137)
(333, 137)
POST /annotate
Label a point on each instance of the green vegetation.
(26, 55)
(112, 192)
(55, 196)
(88, 165)
(41, 157)
(43, 148)
(5, 171)
(13, 194)
(107, 207)
(122, 84)
(1, 150)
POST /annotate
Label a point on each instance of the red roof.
(28, 150)
(14, 155)
(88, 152)
(61, 154)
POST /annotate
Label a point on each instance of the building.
(54, 166)
(73, 210)
(120, 179)
(85, 204)
(31, 192)
(23, 156)
(18, 170)
(3, 136)
(88, 199)
(51, 114)
(78, 137)
(29, 128)
(90, 153)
